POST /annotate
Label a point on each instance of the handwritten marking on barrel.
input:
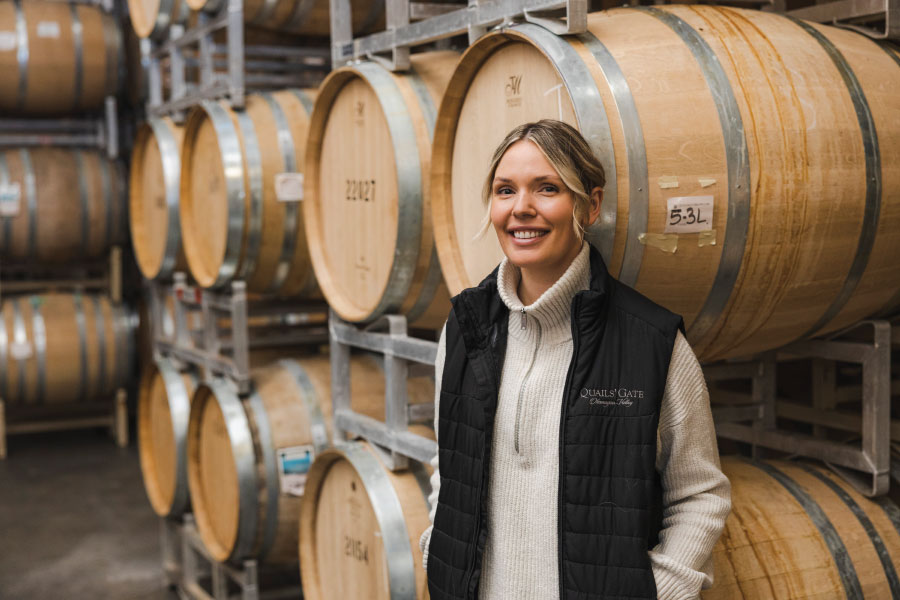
(360, 190)
(356, 549)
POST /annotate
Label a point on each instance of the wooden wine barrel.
(63, 349)
(154, 188)
(67, 205)
(798, 531)
(360, 525)
(367, 208)
(247, 459)
(153, 18)
(56, 57)
(164, 407)
(233, 225)
(306, 17)
(722, 104)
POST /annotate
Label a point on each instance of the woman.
(577, 455)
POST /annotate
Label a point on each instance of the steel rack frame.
(246, 66)
(878, 19)
(90, 131)
(438, 21)
(187, 565)
(863, 456)
(225, 351)
(403, 355)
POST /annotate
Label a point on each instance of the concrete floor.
(75, 523)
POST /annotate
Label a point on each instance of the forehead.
(524, 159)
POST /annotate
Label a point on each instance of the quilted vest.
(610, 496)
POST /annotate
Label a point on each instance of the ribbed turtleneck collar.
(553, 308)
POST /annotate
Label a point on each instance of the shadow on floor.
(75, 523)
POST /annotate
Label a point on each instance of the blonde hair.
(567, 151)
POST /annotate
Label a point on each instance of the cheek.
(498, 215)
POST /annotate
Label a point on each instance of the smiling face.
(531, 211)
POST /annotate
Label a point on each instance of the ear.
(596, 200)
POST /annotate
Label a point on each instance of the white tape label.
(20, 350)
(48, 29)
(293, 465)
(10, 199)
(8, 41)
(689, 214)
(289, 187)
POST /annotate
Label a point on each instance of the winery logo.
(513, 91)
(611, 396)
(358, 111)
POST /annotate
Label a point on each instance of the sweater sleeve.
(696, 494)
(425, 539)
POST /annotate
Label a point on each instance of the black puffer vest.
(610, 497)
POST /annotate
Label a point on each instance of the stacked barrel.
(61, 207)
(678, 102)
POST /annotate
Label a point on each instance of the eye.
(549, 188)
(503, 190)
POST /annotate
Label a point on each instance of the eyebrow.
(541, 178)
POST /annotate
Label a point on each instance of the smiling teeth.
(524, 235)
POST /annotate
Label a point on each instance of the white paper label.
(48, 29)
(689, 214)
(289, 187)
(293, 465)
(10, 199)
(8, 41)
(20, 350)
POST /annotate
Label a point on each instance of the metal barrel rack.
(197, 576)
(223, 70)
(855, 442)
(402, 356)
(440, 21)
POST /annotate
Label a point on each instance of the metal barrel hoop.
(81, 326)
(238, 429)
(291, 210)
(31, 197)
(78, 43)
(39, 329)
(592, 121)
(83, 197)
(20, 338)
(738, 164)
(170, 155)
(311, 285)
(7, 221)
(21, 53)
(179, 413)
(100, 330)
(433, 276)
(317, 428)
(890, 572)
(232, 159)
(872, 151)
(4, 344)
(829, 534)
(106, 191)
(265, 12)
(254, 175)
(391, 523)
(636, 157)
(409, 185)
(264, 433)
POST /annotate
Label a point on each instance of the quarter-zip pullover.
(520, 554)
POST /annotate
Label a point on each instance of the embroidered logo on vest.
(612, 396)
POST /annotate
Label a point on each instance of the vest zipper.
(560, 506)
(537, 346)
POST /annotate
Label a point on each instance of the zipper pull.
(524, 319)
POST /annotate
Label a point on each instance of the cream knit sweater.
(520, 558)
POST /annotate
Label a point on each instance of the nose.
(523, 205)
